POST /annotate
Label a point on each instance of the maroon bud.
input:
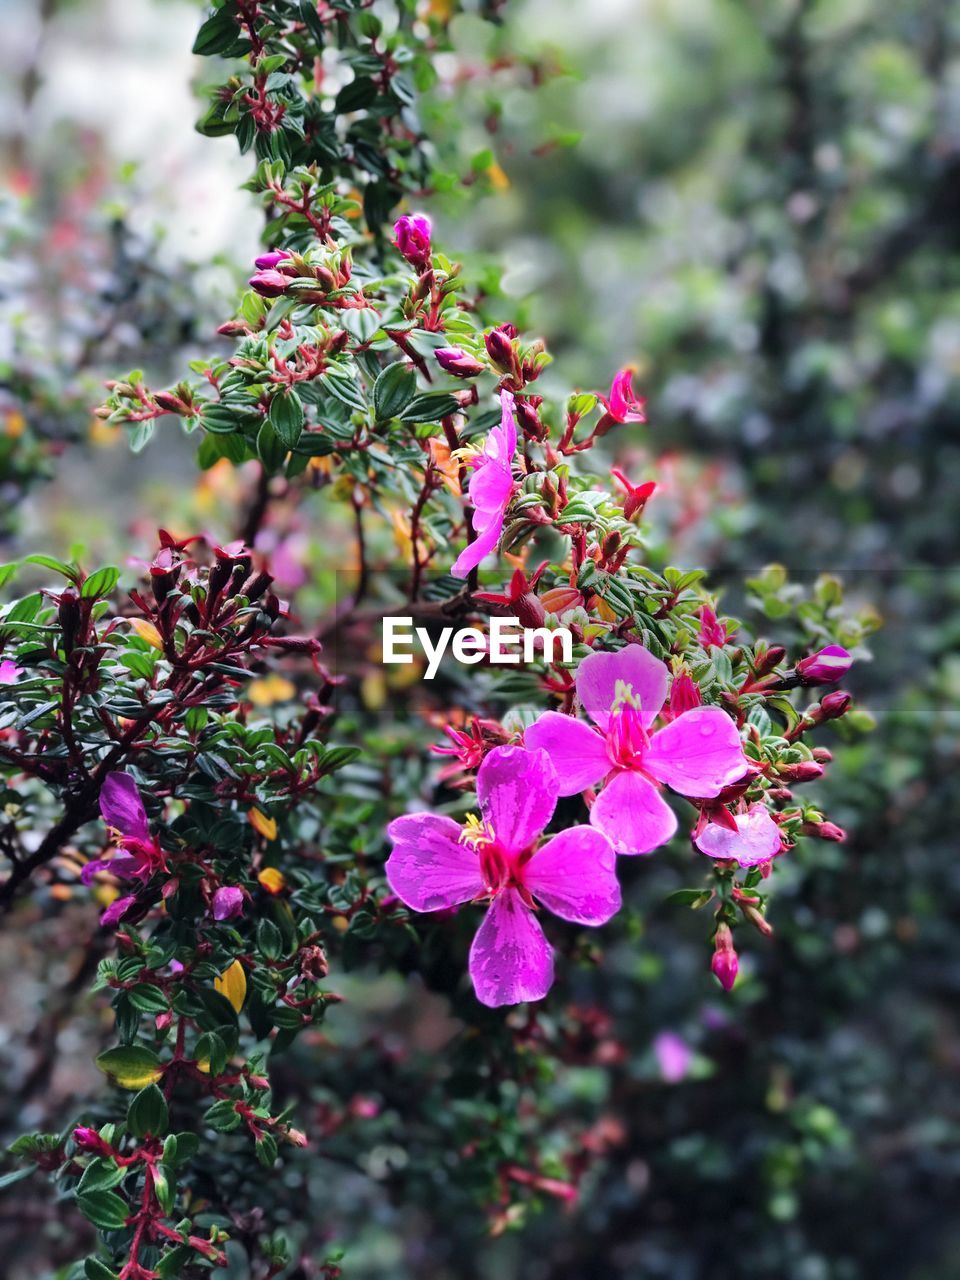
(458, 362)
(824, 831)
(766, 659)
(293, 644)
(530, 610)
(834, 705)
(167, 400)
(801, 771)
(88, 1139)
(533, 427)
(313, 963)
(69, 615)
(257, 585)
(500, 349)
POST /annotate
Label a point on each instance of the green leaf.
(286, 414)
(130, 1067)
(147, 1113)
(430, 406)
(17, 1175)
(693, 898)
(100, 583)
(100, 1175)
(94, 1269)
(148, 999)
(217, 34)
(393, 390)
(105, 1209)
(68, 571)
(223, 1116)
(270, 448)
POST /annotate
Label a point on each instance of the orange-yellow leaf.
(147, 632)
(267, 827)
(272, 880)
(232, 983)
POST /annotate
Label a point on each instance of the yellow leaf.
(272, 880)
(272, 688)
(232, 983)
(130, 1067)
(147, 632)
(260, 822)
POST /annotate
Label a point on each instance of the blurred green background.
(757, 205)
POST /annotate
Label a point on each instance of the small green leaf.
(393, 390)
(130, 1067)
(693, 898)
(105, 1209)
(286, 414)
(100, 583)
(270, 448)
(100, 1175)
(94, 1269)
(147, 1113)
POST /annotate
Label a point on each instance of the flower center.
(627, 740)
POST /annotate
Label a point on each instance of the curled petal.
(117, 910)
(477, 550)
(429, 868)
(510, 959)
(599, 674)
(122, 807)
(517, 791)
(698, 754)
(577, 752)
(756, 840)
(574, 874)
(632, 815)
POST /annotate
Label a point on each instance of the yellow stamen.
(475, 833)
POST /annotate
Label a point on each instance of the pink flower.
(123, 812)
(10, 673)
(697, 754)
(673, 1055)
(227, 903)
(756, 839)
(412, 237)
(623, 405)
(437, 864)
(713, 632)
(491, 488)
(827, 666)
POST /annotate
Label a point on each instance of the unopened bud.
(530, 610)
(801, 771)
(459, 363)
(827, 666)
(725, 964)
(834, 705)
(269, 284)
(824, 831)
(500, 349)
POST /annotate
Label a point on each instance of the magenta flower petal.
(510, 959)
(756, 840)
(574, 874)
(632, 815)
(577, 752)
(698, 754)
(475, 551)
(517, 791)
(117, 910)
(597, 678)
(122, 807)
(489, 489)
(10, 673)
(429, 868)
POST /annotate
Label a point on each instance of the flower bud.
(801, 771)
(69, 616)
(530, 610)
(267, 261)
(533, 427)
(269, 284)
(227, 903)
(824, 831)
(834, 705)
(412, 238)
(725, 964)
(826, 666)
(167, 400)
(88, 1139)
(684, 694)
(499, 344)
(458, 362)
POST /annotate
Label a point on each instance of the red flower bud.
(530, 610)
(824, 831)
(269, 284)
(801, 771)
(500, 349)
(458, 362)
(834, 705)
(412, 237)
